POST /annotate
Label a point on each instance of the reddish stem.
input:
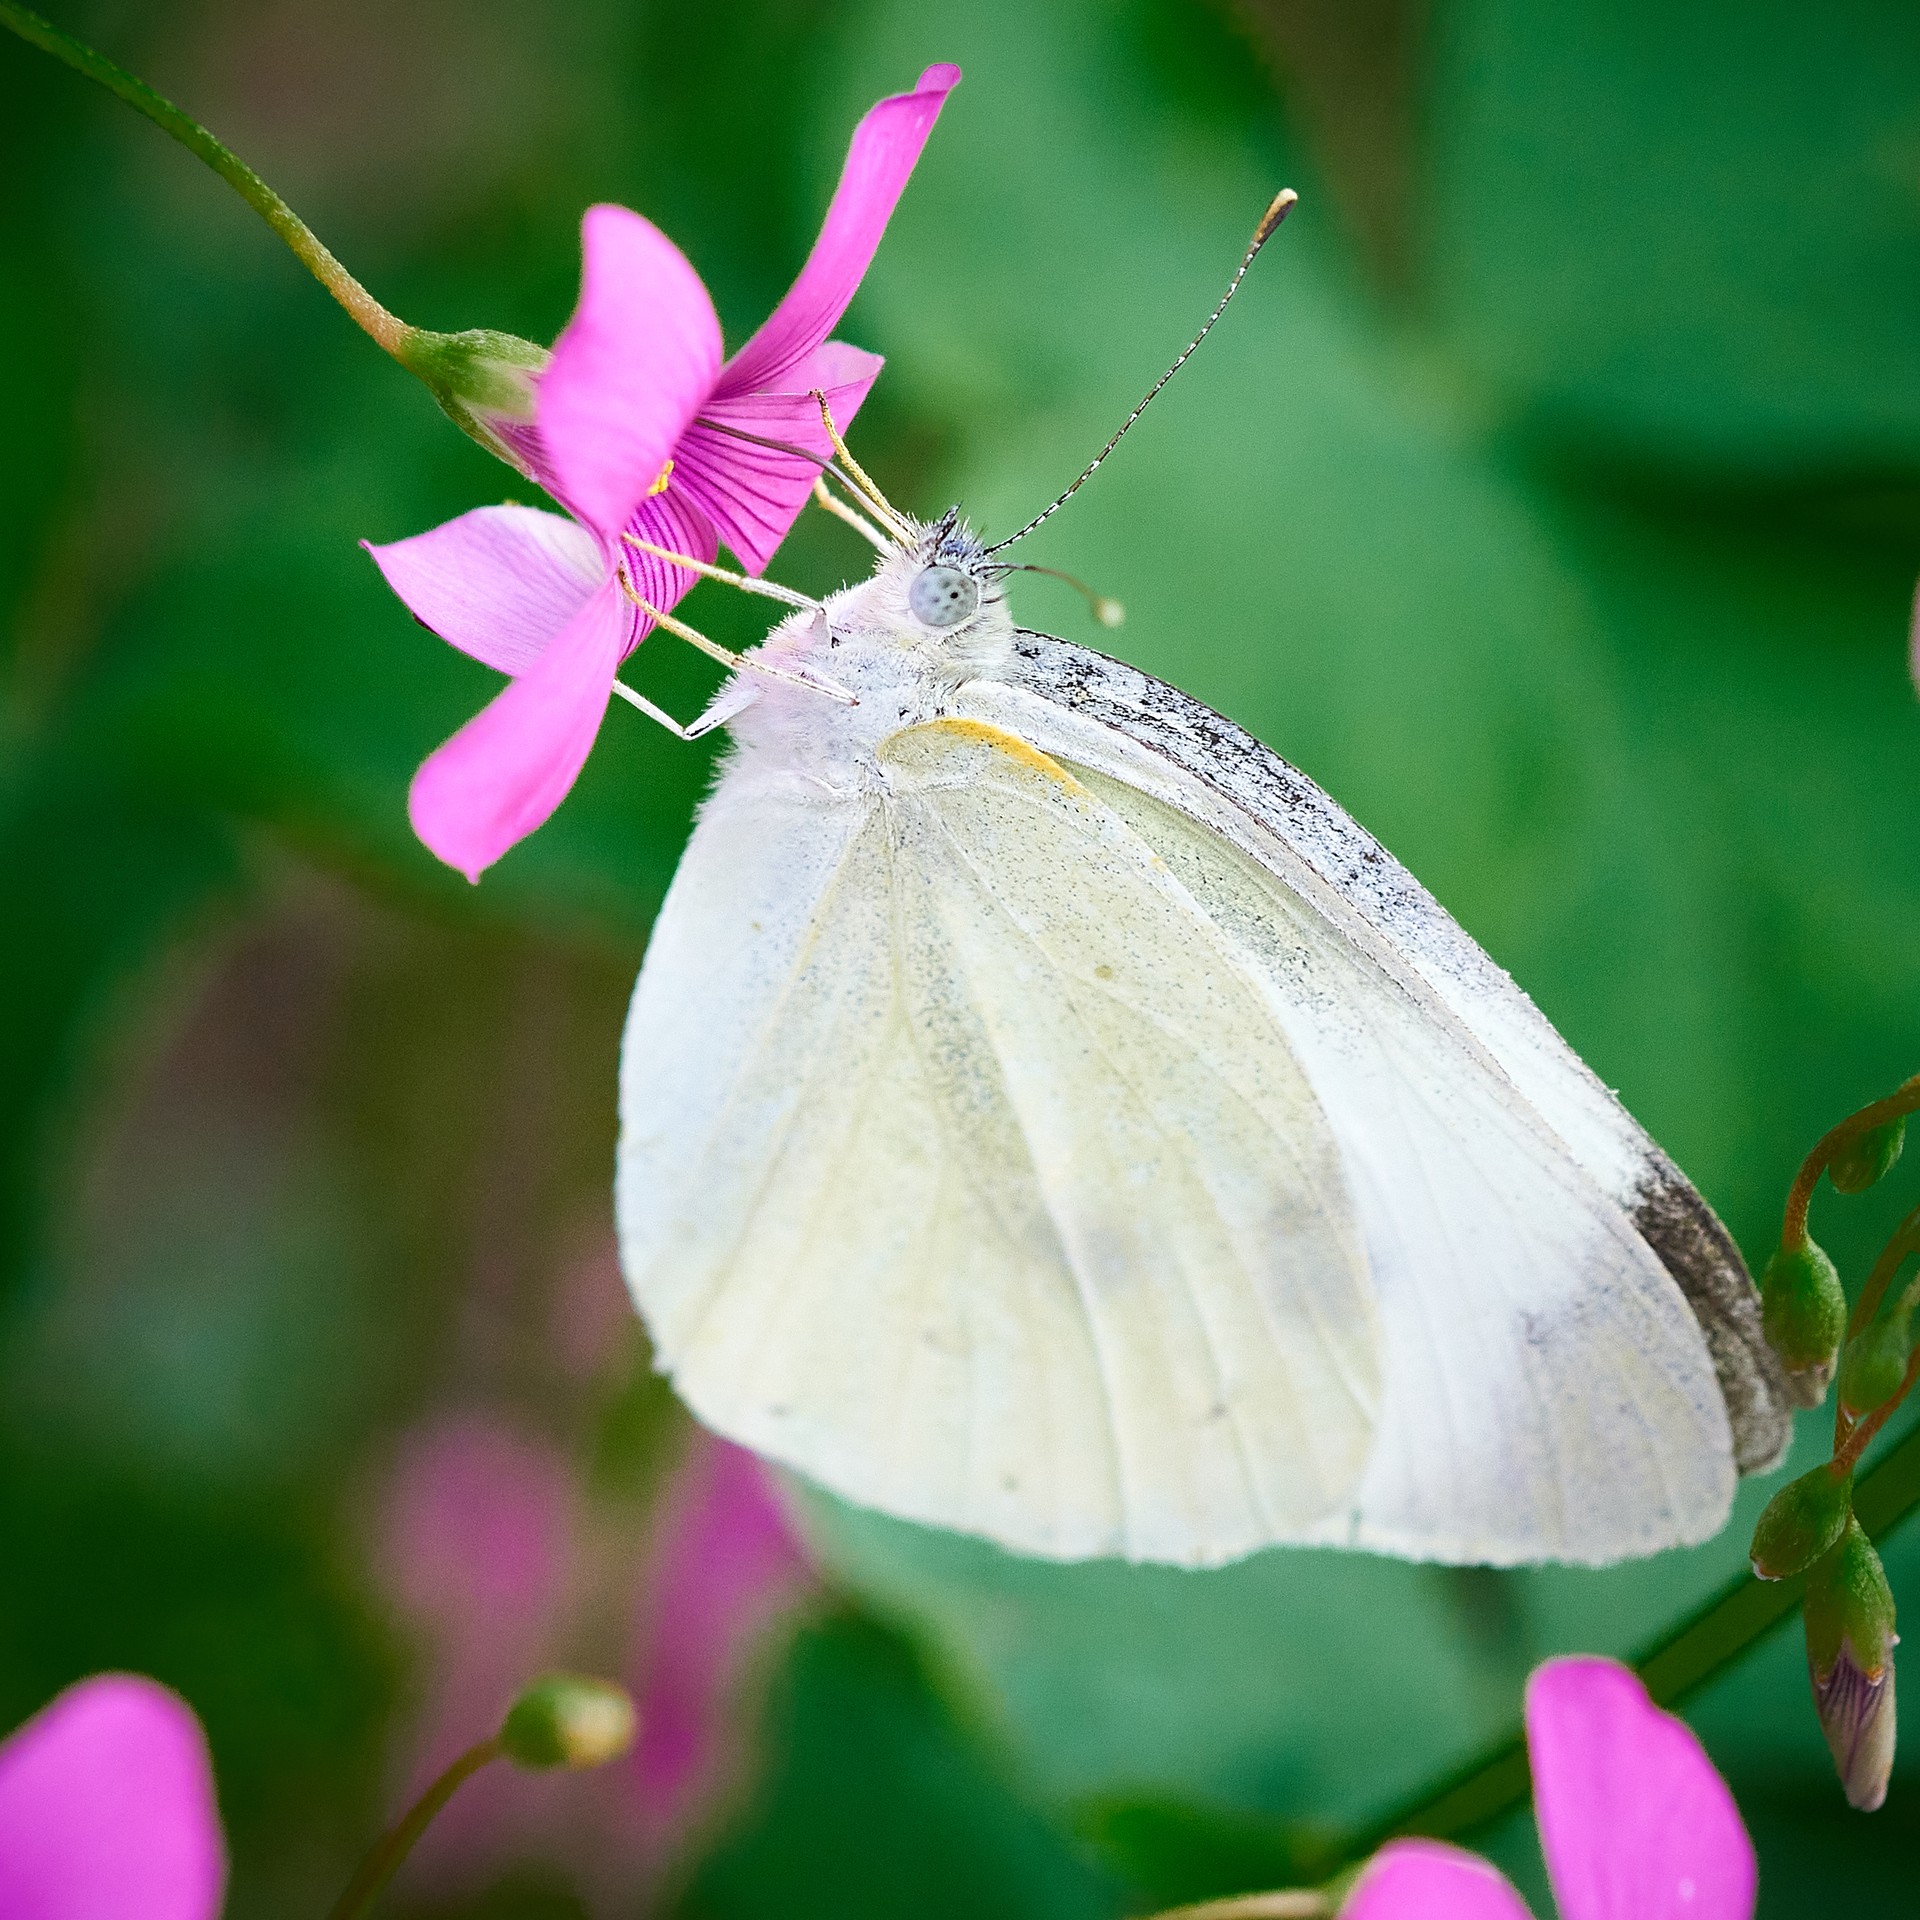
(1850, 1439)
(1904, 1099)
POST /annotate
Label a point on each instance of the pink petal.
(750, 493)
(507, 769)
(673, 521)
(1423, 1880)
(498, 582)
(634, 365)
(1634, 1821)
(107, 1809)
(886, 144)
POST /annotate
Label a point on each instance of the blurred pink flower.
(107, 1809)
(726, 1568)
(490, 1546)
(637, 427)
(1634, 1821)
(478, 1549)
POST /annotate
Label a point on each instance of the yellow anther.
(660, 485)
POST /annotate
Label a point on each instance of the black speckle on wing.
(1249, 775)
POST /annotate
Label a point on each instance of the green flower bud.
(1874, 1367)
(484, 382)
(1804, 1312)
(1869, 1158)
(1850, 1641)
(566, 1720)
(1801, 1522)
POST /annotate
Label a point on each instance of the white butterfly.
(1046, 1114)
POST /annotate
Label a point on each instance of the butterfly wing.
(1102, 717)
(977, 1162)
(964, 1168)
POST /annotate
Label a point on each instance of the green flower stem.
(1904, 1099)
(386, 329)
(393, 1847)
(1689, 1656)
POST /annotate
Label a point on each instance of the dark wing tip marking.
(1706, 1265)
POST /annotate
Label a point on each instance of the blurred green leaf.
(1690, 237)
(873, 1805)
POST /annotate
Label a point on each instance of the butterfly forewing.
(1548, 1392)
(1150, 736)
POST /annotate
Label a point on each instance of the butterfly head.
(949, 577)
(934, 595)
(902, 642)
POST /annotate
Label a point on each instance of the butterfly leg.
(729, 701)
(768, 589)
(739, 662)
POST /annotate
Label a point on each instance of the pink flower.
(1634, 1821)
(636, 428)
(479, 1541)
(107, 1809)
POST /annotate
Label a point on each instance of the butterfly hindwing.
(965, 1169)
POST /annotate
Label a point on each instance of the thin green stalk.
(385, 328)
(383, 1861)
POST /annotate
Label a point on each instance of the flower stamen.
(862, 481)
(859, 522)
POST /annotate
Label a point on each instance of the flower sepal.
(1873, 1368)
(568, 1720)
(484, 383)
(1804, 1313)
(1869, 1159)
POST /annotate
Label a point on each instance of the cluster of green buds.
(1809, 1529)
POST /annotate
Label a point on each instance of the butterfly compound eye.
(943, 596)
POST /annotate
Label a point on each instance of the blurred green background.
(1552, 495)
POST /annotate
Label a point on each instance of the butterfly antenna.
(1283, 203)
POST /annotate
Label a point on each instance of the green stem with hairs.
(387, 330)
(481, 379)
(1903, 1100)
